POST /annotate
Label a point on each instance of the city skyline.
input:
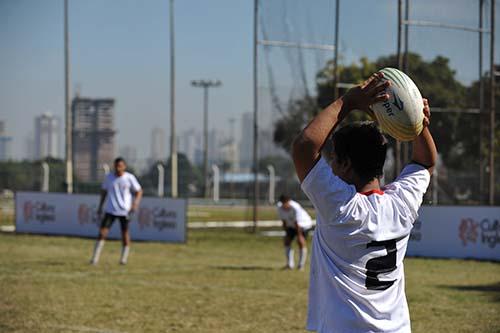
(47, 138)
(117, 52)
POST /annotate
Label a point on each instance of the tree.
(456, 133)
(27, 175)
(189, 178)
(435, 79)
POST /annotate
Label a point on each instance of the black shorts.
(292, 232)
(108, 219)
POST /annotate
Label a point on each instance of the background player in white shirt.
(296, 222)
(122, 194)
(357, 277)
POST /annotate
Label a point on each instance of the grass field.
(220, 281)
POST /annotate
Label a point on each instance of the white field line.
(235, 224)
(85, 329)
(203, 225)
(232, 224)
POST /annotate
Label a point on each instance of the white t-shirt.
(357, 277)
(295, 214)
(120, 189)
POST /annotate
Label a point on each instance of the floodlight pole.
(205, 84)
(492, 107)
(173, 144)
(67, 107)
(255, 119)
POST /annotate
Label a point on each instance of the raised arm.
(424, 149)
(308, 144)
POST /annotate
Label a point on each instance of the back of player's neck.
(373, 185)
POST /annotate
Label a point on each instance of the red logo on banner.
(83, 214)
(27, 211)
(468, 231)
(144, 217)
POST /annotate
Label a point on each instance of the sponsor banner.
(456, 232)
(158, 219)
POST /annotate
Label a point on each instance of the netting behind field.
(296, 80)
(295, 42)
(461, 128)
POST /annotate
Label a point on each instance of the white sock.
(97, 251)
(125, 251)
(289, 256)
(303, 257)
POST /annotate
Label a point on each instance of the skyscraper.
(129, 153)
(5, 141)
(190, 144)
(158, 152)
(46, 136)
(93, 137)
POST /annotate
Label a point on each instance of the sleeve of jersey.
(411, 186)
(136, 187)
(327, 192)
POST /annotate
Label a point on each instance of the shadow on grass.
(244, 268)
(491, 290)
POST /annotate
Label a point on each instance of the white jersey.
(357, 277)
(120, 189)
(295, 214)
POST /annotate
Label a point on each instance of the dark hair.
(284, 198)
(120, 159)
(364, 145)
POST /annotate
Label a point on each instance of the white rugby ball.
(401, 116)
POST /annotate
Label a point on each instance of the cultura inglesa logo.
(157, 217)
(38, 211)
(486, 231)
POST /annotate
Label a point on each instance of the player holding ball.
(357, 281)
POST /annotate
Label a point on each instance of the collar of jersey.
(372, 191)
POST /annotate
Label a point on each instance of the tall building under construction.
(93, 137)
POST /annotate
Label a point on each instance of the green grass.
(221, 281)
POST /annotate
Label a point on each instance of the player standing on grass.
(117, 191)
(296, 222)
(357, 278)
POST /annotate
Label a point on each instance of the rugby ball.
(401, 116)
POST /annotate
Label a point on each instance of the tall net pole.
(67, 106)
(336, 51)
(481, 103)
(492, 107)
(255, 120)
(206, 187)
(399, 64)
(173, 145)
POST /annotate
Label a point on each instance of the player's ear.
(346, 164)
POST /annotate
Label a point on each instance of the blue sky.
(120, 49)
